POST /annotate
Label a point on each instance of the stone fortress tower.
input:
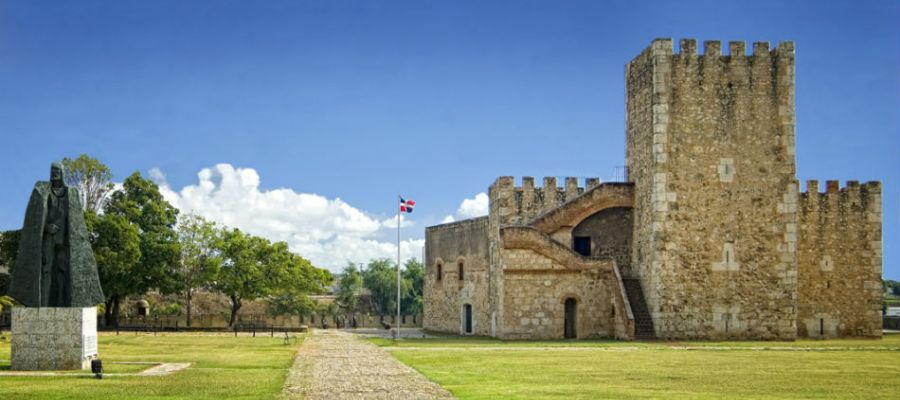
(708, 238)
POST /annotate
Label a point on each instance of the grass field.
(222, 367)
(481, 368)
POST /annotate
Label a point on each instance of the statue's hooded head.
(57, 171)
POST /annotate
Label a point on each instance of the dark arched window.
(461, 272)
(440, 272)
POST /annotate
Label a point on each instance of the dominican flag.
(406, 205)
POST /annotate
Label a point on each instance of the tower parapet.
(520, 204)
(839, 259)
(710, 149)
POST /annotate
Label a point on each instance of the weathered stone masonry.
(462, 243)
(708, 239)
(840, 260)
(712, 157)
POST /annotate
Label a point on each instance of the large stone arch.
(559, 222)
(608, 234)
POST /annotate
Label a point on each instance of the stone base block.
(53, 338)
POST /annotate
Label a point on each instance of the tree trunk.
(235, 306)
(111, 312)
(107, 312)
(116, 303)
(190, 295)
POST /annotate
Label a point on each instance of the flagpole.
(398, 266)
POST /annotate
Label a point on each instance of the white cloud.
(156, 175)
(392, 222)
(474, 207)
(329, 232)
(470, 208)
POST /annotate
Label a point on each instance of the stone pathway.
(157, 369)
(333, 364)
(164, 369)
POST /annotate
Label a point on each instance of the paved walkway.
(336, 365)
(156, 369)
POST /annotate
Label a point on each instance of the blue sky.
(359, 101)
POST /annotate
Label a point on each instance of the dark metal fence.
(892, 323)
(248, 323)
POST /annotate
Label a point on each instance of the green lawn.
(222, 367)
(482, 368)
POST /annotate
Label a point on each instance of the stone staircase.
(643, 324)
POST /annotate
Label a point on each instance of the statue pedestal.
(53, 338)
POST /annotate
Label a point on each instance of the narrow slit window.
(461, 271)
(440, 272)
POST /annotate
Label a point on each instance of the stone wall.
(539, 274)
(448, 246)
(839, 257)
(708, 221)
(610, 233)
(711, 152)
(536, 289)
(527, 202)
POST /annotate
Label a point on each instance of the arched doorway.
(570, 321)
(467, 315)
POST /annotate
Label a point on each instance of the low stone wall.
(220, 321)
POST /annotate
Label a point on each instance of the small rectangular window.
(582, 245)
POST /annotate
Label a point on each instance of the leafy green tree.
(892, 287)
(293, 285)
(300, 275)
(250, 270)
(381, 279)
(117, 249)
(349, 287)
(290, 302)
(9, 248)
(92, 179)
(140, 206)
(201, 256)
(413, 275)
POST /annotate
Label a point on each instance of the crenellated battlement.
(853, 203)
(732, 75)
(710, 232)
(853, 197)
(713, 48)
(839, 258)
(518, 204)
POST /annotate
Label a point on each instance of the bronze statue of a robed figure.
(55, 266)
